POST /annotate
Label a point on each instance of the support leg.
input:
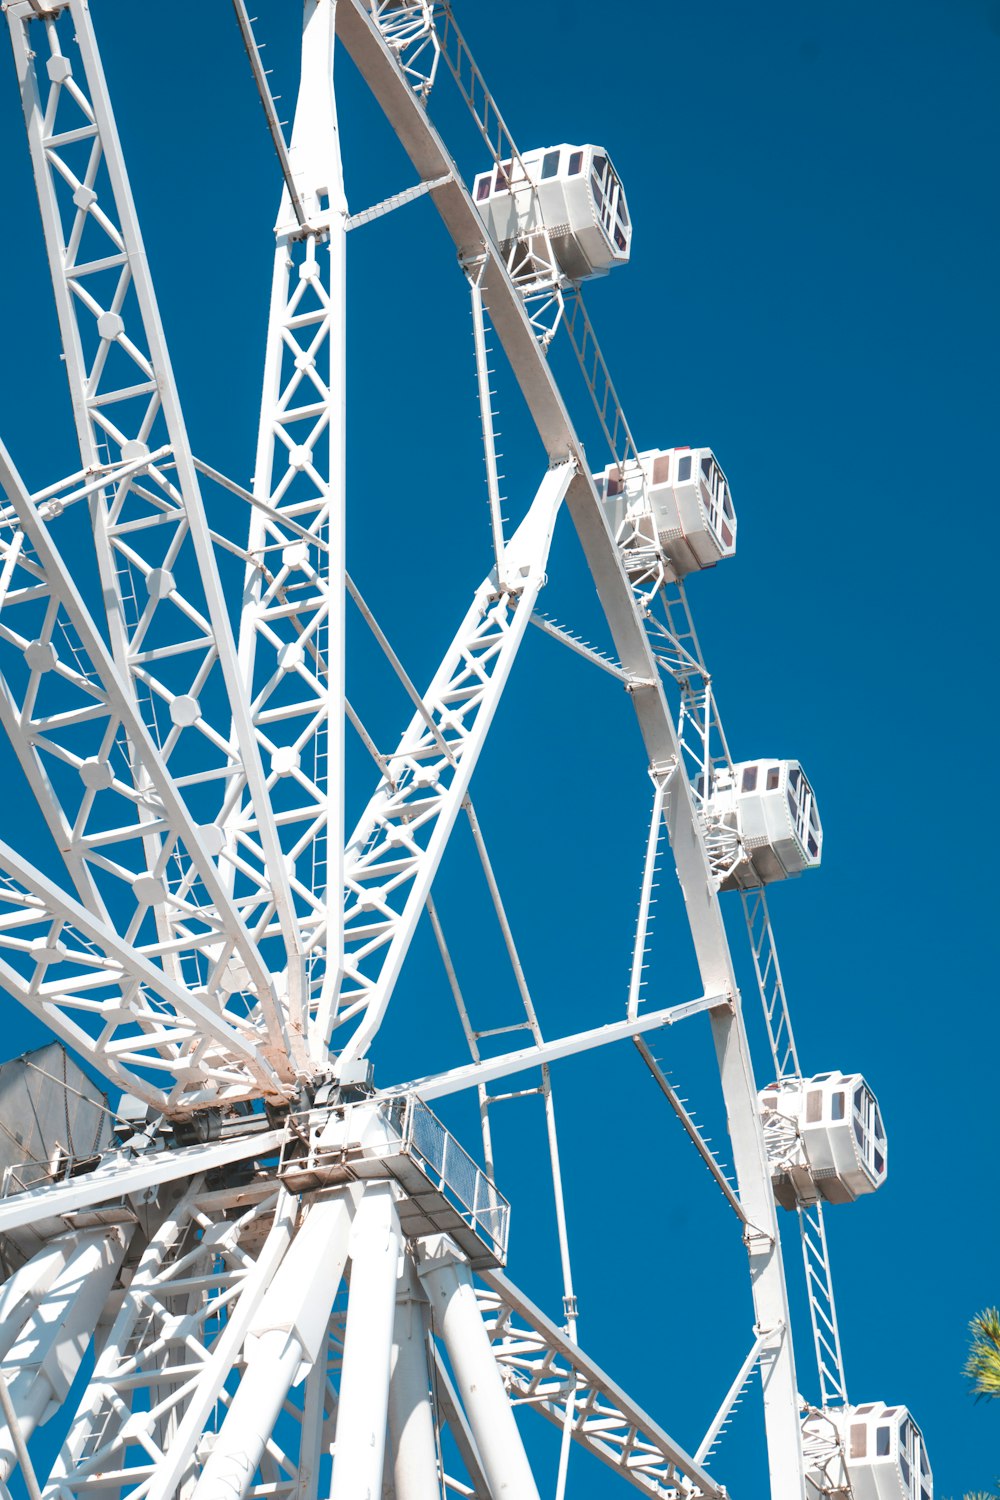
(364, 1384)
(448, 1281)
(411, 1416)
(45, 1356)
(288, 1332)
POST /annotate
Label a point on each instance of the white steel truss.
(286, 1308)
(549, 1372)
(395, 850)
(170, 626)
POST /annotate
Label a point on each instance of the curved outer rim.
(432, 160)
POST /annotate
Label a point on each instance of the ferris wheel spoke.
(395, 850)
(130, 842)
(291, 637)
(154, 548)
(539, 1054)
(110, 1003)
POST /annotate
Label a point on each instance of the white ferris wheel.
(265, 1269)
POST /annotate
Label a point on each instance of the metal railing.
(453, 1171)
(408, 1129)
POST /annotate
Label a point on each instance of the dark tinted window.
(483, 188)
(661, 469)
(838, 1106)
(550, 163)
(882, 1442)
(706, 467)
(684, 467)
(600, 162)
(576, 163)
(773, 777)
(749, 778)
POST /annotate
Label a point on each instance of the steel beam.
(125, 1175)
(396, 848)
(470, 1075)
(546, 1369)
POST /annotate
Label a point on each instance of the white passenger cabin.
(571, 191)
(824, 1138)
(769, 809)
(883, 1454)
(673, 507)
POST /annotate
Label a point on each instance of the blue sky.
(813, 292)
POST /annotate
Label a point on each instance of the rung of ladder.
(503, 1030)
(514, 1094)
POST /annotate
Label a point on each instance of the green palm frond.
(983, 1364)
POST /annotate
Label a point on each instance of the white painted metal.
(103, 845)
(822, 1307)
(730, 1400)
(43, 1355)
(435, 1086)
(546, 1369)
(126, 1175)
(287, 1332)
(646, 898)
(411, 1408)
(364, 1382)
(394, 852)
(291, 641)
(154, 547)
(446, 1277)
(222, 938)
(514, 328)
(194, 1268)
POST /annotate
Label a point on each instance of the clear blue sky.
(813, 291)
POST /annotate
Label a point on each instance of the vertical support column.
(359, 1450)
(446, 1276)
(411, 1416)
(287, 1334)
